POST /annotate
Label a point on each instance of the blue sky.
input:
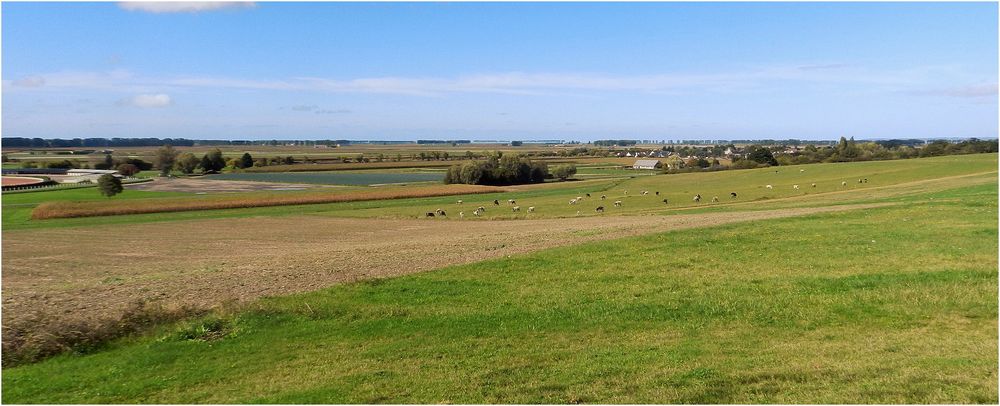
(579, 71)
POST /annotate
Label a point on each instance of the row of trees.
(848, 150)
(498, 169)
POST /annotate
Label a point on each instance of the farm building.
(647, 164)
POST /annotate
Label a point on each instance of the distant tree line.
(498, 169)
(611, 143)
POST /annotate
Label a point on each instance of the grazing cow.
(459, 202)
(626, 193)
(516, 208)
(665, 201)
(441, 213)
(599, 209)
(430, 214)
(511, 201)
(844, 183)
(481, 208)
(859, 181)
(496, 202)
(572, 201)
(476, 213)
(814, 185)
(603, 197)
(461, 214)
(715, 199)
(697, 198)
(802, 170)
(579, 198)
(796, 187)
(577, 212)
(866, 180)
(732, 195)
(645, 192)
(588, 194)
(769, 187)
(657, 193)
(618, 203)
(531, 209)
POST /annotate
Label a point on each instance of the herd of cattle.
(600, 209)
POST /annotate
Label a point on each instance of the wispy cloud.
(823, 66)
(337, 111)
(29, 81)
(149, 100)
(182, 6)
(971, 91)
(521, 83)
(303, 107)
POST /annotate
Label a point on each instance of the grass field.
(886, 305)
(335, 178)
(890, 299)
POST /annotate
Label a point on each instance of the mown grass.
(887, 305)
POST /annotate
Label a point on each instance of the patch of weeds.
(207, 329)
(35, 338)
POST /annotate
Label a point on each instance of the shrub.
(564, 172)
(128, 169)
(187, 162)
(109, 185)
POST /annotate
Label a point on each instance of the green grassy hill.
(889, 305)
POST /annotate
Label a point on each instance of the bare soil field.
(19, 180)
(94, 273)
(196, 185)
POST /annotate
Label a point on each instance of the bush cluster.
(498, 170)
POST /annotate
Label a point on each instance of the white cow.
(769, 187)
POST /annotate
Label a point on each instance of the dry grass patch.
(52, 210)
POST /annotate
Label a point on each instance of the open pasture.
(842, 280)
(679, 190)
(892, 304)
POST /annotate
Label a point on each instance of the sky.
(508, 71)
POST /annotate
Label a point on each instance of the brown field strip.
(51, 210)
(93, 273)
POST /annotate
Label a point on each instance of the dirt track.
(95, 271)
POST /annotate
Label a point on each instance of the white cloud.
(182, 6)
(30, 81)
(150, 100)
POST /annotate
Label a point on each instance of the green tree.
(213, 161)
(107, 163)
(165, 158)
(186, 162)
(761, 155)
(246, 161)
(109, 185)
(564, 172)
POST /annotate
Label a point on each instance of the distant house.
(647, 164)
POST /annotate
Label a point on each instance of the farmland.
(336, 178)
(879, 291)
